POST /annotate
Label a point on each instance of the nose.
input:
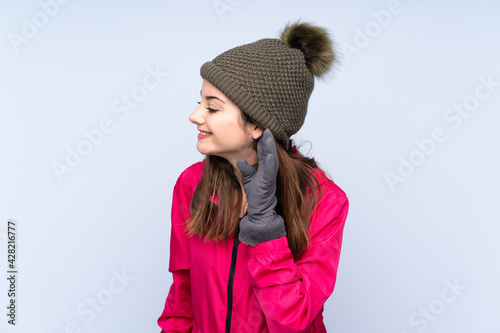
(196, 117)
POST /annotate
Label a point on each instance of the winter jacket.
(228, 286)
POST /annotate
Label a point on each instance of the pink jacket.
(233, 287)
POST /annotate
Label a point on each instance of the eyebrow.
(213, 97)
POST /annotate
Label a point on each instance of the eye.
(209, 108)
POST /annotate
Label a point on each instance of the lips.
(204, 135)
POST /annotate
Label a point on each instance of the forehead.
(210, 92)
(208, 88)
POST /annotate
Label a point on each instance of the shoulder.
(328, 186)
(194, 170)
(330, 212)
(190, 177)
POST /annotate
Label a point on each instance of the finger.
(270, 148)
(246, 169)
(270, 145)
(261, 147)
(271, 168)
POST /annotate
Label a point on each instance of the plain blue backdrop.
(94, 131)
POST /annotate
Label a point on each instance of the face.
(222, 131)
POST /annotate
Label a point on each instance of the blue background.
(65, 66)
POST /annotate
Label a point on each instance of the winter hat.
(271, 80)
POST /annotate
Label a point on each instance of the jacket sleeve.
(178, 313)
(291, 294)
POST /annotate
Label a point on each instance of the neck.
(251, 159)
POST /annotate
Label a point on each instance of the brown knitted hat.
(271, 80)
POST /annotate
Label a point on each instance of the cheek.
(229, 132)
(231, 129)
(239, 132)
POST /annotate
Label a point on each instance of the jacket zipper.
(231, 278)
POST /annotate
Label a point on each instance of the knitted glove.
(261, 223)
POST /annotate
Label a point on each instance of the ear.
(257, 131)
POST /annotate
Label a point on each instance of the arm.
(290, 293)
(178, 313)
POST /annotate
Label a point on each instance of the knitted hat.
(271, 80)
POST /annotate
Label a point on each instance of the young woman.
(256, 226)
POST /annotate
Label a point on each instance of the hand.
(260, 185)
(261, 223)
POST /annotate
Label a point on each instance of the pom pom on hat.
(314, 42)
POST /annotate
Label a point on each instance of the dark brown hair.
(216, 222)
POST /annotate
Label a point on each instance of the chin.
(202, 152)
(205, 151)
(200, 149)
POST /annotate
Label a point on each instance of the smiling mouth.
(205, 133)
